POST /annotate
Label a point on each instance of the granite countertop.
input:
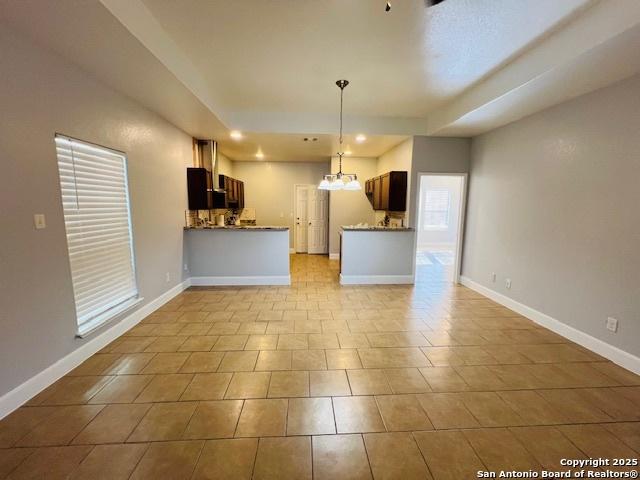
(240, 227)
(376, 228)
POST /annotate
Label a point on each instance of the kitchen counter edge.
(377, 229)
(241, 227)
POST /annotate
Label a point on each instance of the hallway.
(317, 380)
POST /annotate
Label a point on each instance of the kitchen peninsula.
(377, 255)
(238, 255)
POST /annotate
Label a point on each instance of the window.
(436, 210)
(95, 199)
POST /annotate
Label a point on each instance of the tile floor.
(330, 382)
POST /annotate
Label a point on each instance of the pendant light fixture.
(340, 181)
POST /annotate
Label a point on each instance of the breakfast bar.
(237, 255)
(377, 255)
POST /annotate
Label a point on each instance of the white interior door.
(318, 220)
(301, 227)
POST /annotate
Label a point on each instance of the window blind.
(95, 199)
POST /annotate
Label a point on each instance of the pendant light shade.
(324, 184)
(352, 185)
(340, 181)
(336, 184)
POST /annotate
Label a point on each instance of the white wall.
(350, 208)
(268, 187)
(225, 165)
(435, 155)
(41, 94)
(553, 204)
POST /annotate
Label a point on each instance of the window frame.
(110, 313)
(425, 210)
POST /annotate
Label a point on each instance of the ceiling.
(285, 56)
(268, 68)
(293, 148)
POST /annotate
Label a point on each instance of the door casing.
(311, 228)
(300, 233)
(461, 215)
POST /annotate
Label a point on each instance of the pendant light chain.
(340, 147)
(341, 103)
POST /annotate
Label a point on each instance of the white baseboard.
(376, 279)
(334, 256)
(22, 393)
(620, 357)
(256, 280)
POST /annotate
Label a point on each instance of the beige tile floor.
(330, 382)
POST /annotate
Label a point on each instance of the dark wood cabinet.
(368, 187)
(385, 184)
(202, 196)
(241, 195)
(388, 192)
(377, 191)
(199, 191)
(234, 189)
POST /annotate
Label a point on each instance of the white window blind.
(436, 211)
(95, 198)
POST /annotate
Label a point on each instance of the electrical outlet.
(186, 267)
(168, 277)
(493, 277)
(39, 221)
(612, 324)
(507, 283)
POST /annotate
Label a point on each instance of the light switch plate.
(39, 221)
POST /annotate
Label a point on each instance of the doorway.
(439, 225)
(311, 212)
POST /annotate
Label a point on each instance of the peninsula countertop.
(240, 227)
(373, 255)
(237, 255)
(375, 228)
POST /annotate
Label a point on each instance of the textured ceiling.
(268, 67)
(284, 56)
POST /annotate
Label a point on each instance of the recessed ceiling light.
(260, 155)
(235, 134)
(361, 138)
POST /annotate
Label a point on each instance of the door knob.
(309, 223)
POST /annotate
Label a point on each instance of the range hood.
(206, 156)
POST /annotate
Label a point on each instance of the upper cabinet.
(234, 189)
(202, 195)
(388, 192)
(199, 189)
